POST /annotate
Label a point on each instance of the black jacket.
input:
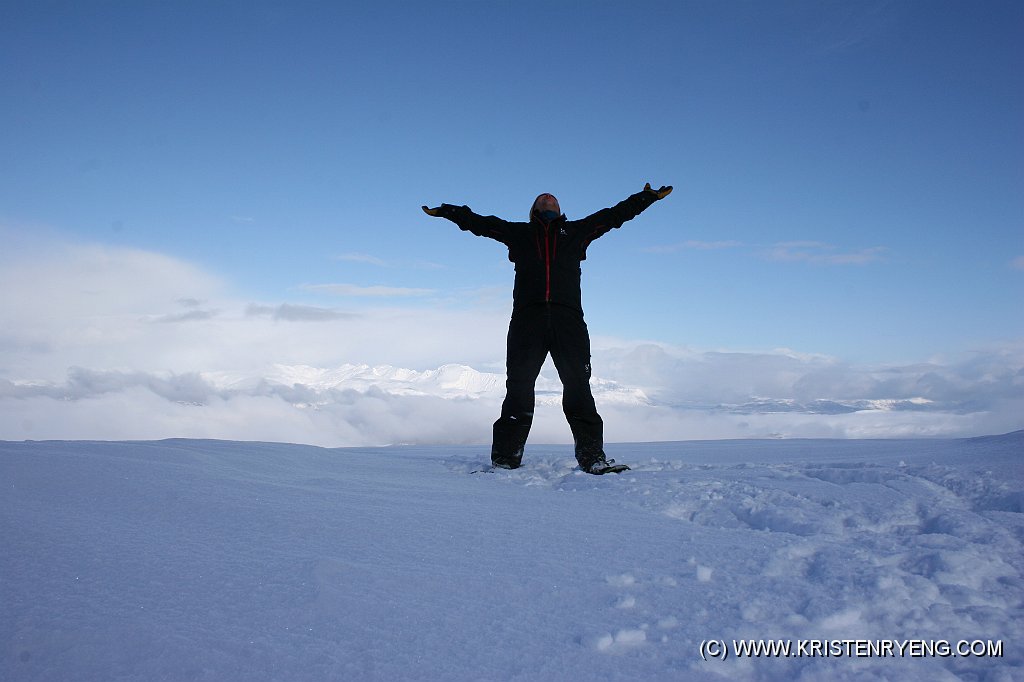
(547, 255)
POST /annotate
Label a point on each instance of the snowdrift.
(217, 560)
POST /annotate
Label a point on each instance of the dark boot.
(509, 442)
(602, 466)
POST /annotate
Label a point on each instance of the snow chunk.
(621, 641)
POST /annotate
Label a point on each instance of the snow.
(223, 560)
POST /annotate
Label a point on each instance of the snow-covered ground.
(219, 560)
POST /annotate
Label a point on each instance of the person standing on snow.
(547, 317)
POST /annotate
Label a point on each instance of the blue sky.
(848, 175)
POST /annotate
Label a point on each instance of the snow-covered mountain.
(642, 396)
(450, 381)
(447, 381)
(454, 381)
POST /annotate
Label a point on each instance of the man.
(547, 317)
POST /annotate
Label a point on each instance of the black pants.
(535, 331)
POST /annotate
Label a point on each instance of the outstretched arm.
(611, 218)
(481, 226)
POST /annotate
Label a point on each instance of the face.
(546, 202)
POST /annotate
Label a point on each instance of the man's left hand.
(659, 193)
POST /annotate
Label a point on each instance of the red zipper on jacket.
(550, 251)
(547, 265)
(547, 256)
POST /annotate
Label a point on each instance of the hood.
(533, 207)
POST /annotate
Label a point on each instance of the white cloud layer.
(817, 253)
(695, 245)
(823, 254)
(110, 343)
(374, 291)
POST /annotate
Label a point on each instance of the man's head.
(545, 202)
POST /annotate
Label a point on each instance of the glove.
(448, 211)
(659, 193)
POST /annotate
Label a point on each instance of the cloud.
(645, 392)
(363, 291)
(70, 279)
(1018, 263)
(782, 381)
(113, 405)
(189, 316)
(369, 259)
(693, 244)
(104, 307)
(290, 312)
(819, 253)
(82, 383)
(849, 27)
(81, 356)
(362, 258)
(714, 394)
(193, 313)
(71, 304)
